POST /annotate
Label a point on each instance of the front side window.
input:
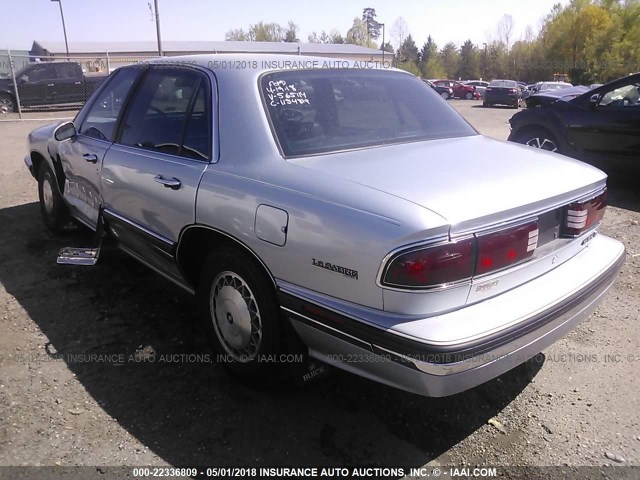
(319, 111)
(41, 72)
(626, 96)
(102, 116)
(169, 114)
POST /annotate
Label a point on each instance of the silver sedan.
(343, 211)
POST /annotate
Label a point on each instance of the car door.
(607, 126)
(81, 157)
(67, 87)
(34, 84)
(151, 174)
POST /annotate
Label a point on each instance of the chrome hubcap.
(542, 143)
(235, 316)
(47, 195)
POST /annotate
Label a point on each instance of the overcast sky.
(121, 20)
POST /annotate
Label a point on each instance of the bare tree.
(529, 35)
(399, 31)
(505, 29)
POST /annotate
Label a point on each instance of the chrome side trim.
(160, 238)
(334, 331)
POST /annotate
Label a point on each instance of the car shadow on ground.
(189, 411)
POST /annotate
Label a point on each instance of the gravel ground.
(575, 404)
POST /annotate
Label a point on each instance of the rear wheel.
(485, 104)
(240, 313)
(52, 207)
(445, 95)
(7, 103)
(469, 96)
(538, 138)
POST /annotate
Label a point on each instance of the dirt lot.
(573, 405)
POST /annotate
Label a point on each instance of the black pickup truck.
(49, 84)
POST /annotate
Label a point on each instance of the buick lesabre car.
(391, 238)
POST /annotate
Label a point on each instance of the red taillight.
(582, 216)
(505, 248)
(432, 266)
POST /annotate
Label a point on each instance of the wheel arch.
(196, 241)
(37, 159)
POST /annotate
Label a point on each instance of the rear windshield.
(320, 111)
(503, 83)
(556, 86)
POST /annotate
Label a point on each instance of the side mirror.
(65, 131)
(23, 79)
(594, 100)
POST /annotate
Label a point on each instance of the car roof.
(255, 64)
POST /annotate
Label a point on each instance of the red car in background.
(460, 90)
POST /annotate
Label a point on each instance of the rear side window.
(319, 111)
(67, 70)
(102, 116)
(169, 114)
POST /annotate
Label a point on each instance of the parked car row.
(443, 91)
(460, 89)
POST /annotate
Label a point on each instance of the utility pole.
(158, 28)
(64, 28)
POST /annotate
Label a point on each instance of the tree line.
(589, 40)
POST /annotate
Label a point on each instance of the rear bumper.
(441, 369)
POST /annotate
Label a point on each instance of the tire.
(538, 138)
(485, 104)
(241, 315)
(54, 211)
(7, 103)
(469, 96)
(445, 95)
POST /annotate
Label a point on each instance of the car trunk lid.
(473, 182)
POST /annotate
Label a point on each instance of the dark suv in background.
(601, 126)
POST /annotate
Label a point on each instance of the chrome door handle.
(77, 83)
(172, 183)
(90, 157)
(50, 84)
